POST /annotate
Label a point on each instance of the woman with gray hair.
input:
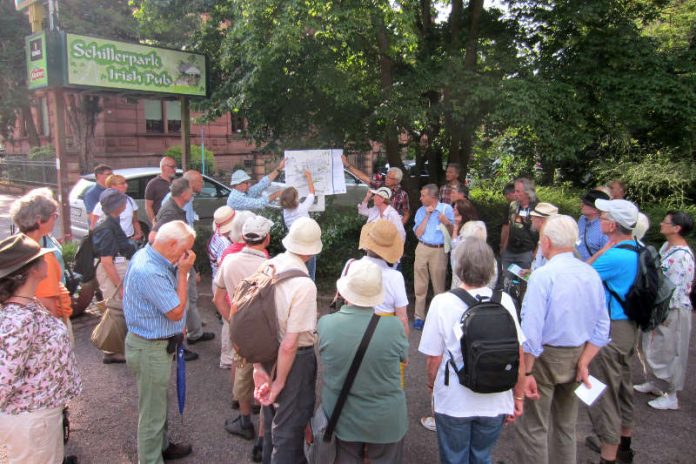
(35, 215)
(468, 423)
(476, 229)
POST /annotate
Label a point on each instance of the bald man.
(158, 187)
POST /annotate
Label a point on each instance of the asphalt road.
(104, 418)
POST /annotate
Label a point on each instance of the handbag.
(320, 444)
(110, 334)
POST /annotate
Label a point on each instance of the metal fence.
(19, 170)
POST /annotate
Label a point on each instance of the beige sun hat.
(304, 237)
(384, 192)
(222, 219)
(362, 285)
(235, 227)
(544, 210)
(382, 238)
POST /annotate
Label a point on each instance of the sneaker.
(664, 402)
(207, 336)
(114, 358)
(429, 423)
(176, 451)
(225, 366)
(648, 387)
(418, 324)
(234, 426)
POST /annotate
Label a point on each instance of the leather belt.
(302, 348)
(430, 245)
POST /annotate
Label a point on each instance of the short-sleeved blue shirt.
(149, 292)
(91, 198)
(617, 268)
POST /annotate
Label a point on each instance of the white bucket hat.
(362, 285)
(238, 177)
(237, 224)
(304, 237)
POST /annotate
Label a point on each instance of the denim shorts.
(467, 440)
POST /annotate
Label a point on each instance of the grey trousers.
(194, 328)
(350, 452)
(285, 422)
(546, 431)
(612, 366)
(666, 351)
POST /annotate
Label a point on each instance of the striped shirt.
(149, 292)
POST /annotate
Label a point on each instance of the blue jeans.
(467, 440)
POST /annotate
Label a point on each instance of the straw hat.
(362, 285)
(544, 210)
(238, 177)
(222, 219)
(304, 237)
(235, 227)
(382, 238)
(16, 251)
(384, 192)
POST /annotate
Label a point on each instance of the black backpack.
(84, 259)
(489, 343)
(647, 301)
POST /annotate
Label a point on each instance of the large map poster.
(326, 168)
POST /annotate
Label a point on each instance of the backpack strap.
(465, 296)
(350, 377)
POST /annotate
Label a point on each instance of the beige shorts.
(243, 388)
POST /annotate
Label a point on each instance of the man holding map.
(245, 197)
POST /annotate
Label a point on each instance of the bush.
(195, 161)
(44, 153)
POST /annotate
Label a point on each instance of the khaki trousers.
(430, 266)
(612, 366)
(33, 437)
(546, 431)
(666, 351)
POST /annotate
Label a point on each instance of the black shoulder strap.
(350, 377)
(469, 299)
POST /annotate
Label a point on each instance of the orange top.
(52, 287)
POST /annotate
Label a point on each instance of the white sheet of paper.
(590, 395)
(326, 167)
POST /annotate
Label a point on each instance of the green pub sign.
(93, 62)
(37, 60)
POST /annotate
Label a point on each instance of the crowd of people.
(568, 312)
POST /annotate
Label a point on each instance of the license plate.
(75, 212)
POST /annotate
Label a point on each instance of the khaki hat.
(18, 250)
(304, 237)
(362, 285)
(238, 177)
(256, 228)
(384, 192)
(235, 227)
(222, 219)
(544, 210)
(382, 237)
(622, 212)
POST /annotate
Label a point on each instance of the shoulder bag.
(320, 444)
(110, 334)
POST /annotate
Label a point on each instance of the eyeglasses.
(171, 166)
(667, 223)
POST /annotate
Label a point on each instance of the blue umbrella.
(180, 377)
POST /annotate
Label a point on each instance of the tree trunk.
(32, 133)
(386, 77)
(82, 111)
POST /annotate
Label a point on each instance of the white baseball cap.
(623, 212)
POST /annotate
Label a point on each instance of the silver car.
(213, 195)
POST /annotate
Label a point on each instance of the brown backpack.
(253, 318)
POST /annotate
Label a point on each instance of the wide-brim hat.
(304, 237)
(623, 212)
(222, 219)
(544, 210)
(594, 195)
(362, 284)
(384, 192)
(234, 228)
(382, 238)
(238, 177)
(18, 250)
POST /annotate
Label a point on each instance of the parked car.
(213, 195)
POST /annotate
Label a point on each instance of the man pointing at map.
(244, 196)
